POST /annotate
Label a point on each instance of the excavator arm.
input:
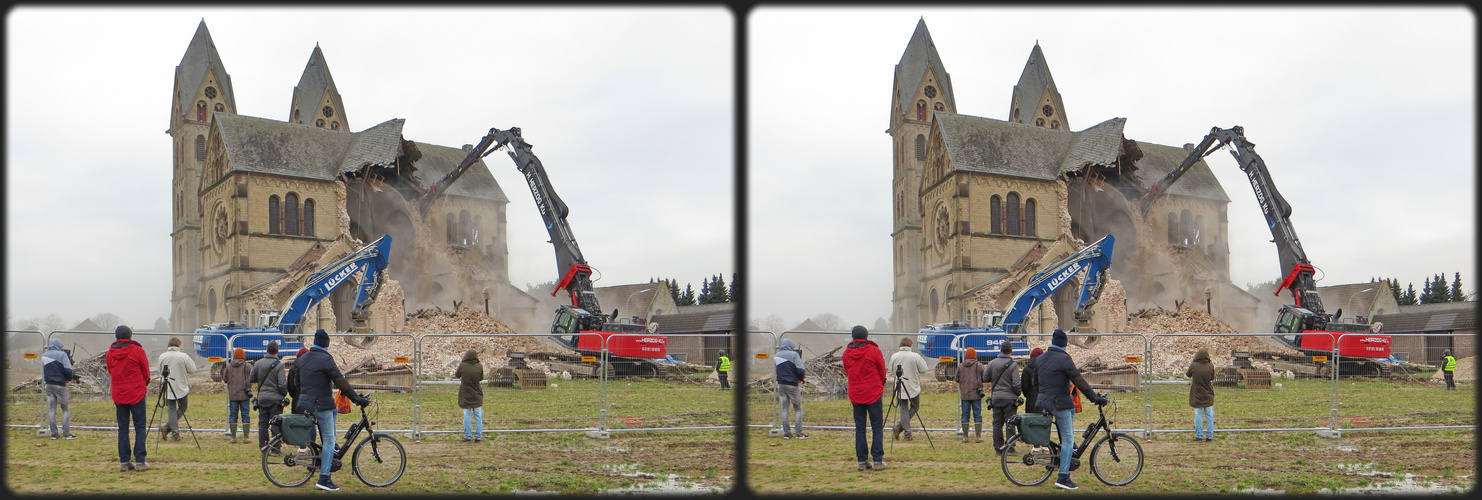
(372, 259)
(1095, 259)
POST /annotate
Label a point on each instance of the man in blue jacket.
(1056, 371)
(789, 385)
(56, 371)
(317, 373)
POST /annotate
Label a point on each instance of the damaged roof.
(1199, 182)
(272, 147)
(378, 145)
(921, 54)
(200, 56)
(477, 182)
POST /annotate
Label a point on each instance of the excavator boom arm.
(1095, 259)
(372, 259)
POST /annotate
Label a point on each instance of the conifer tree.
(1425, 292)
(1456, 294)
(1408, 298)
(1439, 291)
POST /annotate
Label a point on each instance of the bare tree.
(160, 325)
(107, 321)
(774, 323)
(29, 324)
(829, 322)
(52, 323)
(881, 325)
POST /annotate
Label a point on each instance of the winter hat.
(123, 332)
(174, 342)
(238, 353)
(970, 354)
(1036, 352)
(860, 333)
(321, 338)
(1058, 339)
(301, 351)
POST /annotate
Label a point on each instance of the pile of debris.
(441, 355)
(825, 374)
(1172, 355)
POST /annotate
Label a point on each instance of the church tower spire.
(316, 101)
(1036, 101)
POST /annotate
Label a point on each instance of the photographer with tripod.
(128, 373)
(864, 366)
(907, 367)
(177, 387)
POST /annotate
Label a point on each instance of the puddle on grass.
(663, 484)
(1389, 483)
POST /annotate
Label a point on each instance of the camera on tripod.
(899, 372)
(165, 371)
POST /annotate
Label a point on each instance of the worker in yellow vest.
(723, 367)
(1448, 368)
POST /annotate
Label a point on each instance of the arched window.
(211, 313)
(226, 297)
(1172, 228)
(1012, 211)
(1198, 233)
(1185, 226)
(219, 107)
(201, 110)
(200, 148)
(1029, 217)
(1055, 124)
(935, 303)
(290, 213)
(995, 215)
(920, 110)
(307, 220)
(947, 299)
(275, 218)
(334, 125)
(464, 230)
(452, 229)
(938, 106)
(478, 227)
(1039, 122)
(920, 147)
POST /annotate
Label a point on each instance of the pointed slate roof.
(315, 81)
(920, 55)
(1032, 84)
(201, 56)
(272, 147)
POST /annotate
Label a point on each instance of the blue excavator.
(948, 340)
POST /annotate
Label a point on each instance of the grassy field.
(566, 462)
(1293, 462)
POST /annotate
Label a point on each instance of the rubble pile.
(1113, 305)
(1170, 355)
(825, 374)
(442, 355)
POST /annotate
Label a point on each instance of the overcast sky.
(631, 110)
(1365, 117)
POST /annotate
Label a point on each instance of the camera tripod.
(160, 402)
(895, 400)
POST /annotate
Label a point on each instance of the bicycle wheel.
(1025, 468)
(1116, 459)
(379, 460)
(286, 469)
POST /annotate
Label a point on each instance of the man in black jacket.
(271, 382)
(1055, 372)
(317, 372)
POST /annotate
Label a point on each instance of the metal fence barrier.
(762, 402)
(693, 405)
(398, 345)
(23, 364)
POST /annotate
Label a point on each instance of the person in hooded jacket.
(864, 367)
(1002, 376)
(272, 382)
(177, 388)
(1056, 371)
(128, 373)
(318, 376)
(1028, 382)
(911, 367)
(789, 367)
(238, 378)
(56, 371)
(1201, 395)
(970, 391)
(470, 396)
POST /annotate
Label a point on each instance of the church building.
(259, 203)
(977, 199)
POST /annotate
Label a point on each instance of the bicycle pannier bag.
(298, 429)
(342, 402)
(1035, 428)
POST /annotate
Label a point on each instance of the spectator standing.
(1448, 369)
(864, 368)
(790, 372)
(238, 377)
(970, 391)
(177, 385)
(128, 372)
(723, 369)
(56, 371)
(272, 385)
(470, 396)
(295, 390)
(1003, 376)
(318, 376)
(1201, 395)
(1029, 382)
(911, 367)
(1056, 371)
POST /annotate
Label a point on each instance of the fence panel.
(1412, 396)
(27, 405)
(1242, 406)
(761, 384)
(569, 400)
(689, 401)
(380, 366)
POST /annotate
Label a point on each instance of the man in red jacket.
(865, 367)
(128, 368)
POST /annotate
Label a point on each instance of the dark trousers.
(266, 410)
(724, 385)
(1001, 414)
(877, 424)
(1450, 383)
(909, 407)
(122, 413)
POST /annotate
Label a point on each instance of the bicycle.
(374, 462)
(1116, 459)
